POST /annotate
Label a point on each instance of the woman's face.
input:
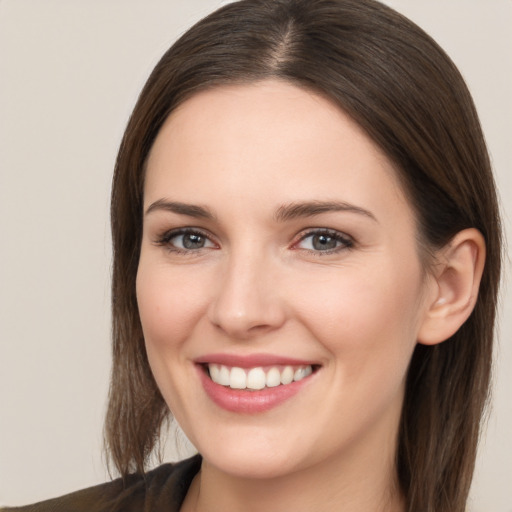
(278, 244)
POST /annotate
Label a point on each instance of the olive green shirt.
(161, 490)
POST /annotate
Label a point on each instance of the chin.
(250, 465)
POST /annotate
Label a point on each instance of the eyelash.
(345, 242)
(164, 240)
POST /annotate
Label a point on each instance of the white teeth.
(224, 376)
(257, 378)
(273, 378)
(237, 378)
(300, 373)
(287, 375)
(214, 372)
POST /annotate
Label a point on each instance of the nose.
(248, 298)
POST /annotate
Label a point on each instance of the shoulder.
(163, 488)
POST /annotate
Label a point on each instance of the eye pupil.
(324, 242)
(193, 241)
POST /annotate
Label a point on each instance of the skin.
(258, 285)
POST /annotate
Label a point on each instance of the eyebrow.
(191, 210)
(283, 213)
(311, 208)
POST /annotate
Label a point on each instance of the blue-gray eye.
(192, 241)
(189, 241)
(323, 241)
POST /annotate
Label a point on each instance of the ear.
(454, 287)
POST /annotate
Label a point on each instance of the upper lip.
(251, 361)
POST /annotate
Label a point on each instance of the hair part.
(408, 96)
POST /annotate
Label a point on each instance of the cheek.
(367, 317)
(368, 324)
(170, 305)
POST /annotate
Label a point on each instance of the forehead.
(266, 110)
(270, 138)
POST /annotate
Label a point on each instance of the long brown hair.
(396, 82)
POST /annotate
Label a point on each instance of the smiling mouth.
(257, 378)
(253, 384)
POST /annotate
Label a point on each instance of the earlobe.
(455, 285)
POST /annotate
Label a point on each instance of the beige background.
(70, 71)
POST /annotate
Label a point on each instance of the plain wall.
(70, 72)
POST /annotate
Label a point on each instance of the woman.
(302, 209)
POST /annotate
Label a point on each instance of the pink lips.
(248, 401)
(250, 361)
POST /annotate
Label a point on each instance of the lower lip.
(246, 401)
